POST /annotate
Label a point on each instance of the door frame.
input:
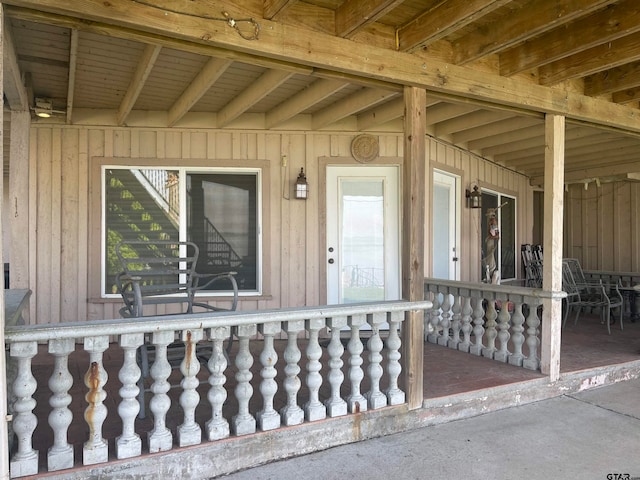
(457, 179)
(323, 163)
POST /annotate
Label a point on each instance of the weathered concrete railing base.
(239, 396)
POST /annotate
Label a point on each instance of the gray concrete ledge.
(222, 457)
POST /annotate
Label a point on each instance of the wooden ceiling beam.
(507, 138)
(263, 86)
(591, 61)
(273, 9)
(295, 47)
(613, 80)
(495, 133)
(314, 93)
(353, 15)
(597, 154)
(198, 87)
(534, 136)
(442, 20)
(626, 96)
(382, 114)
(14, 89)
(145, 65)
(361, 100)
(534, 18)
(444, 111)
(615, 22)
(469, 121)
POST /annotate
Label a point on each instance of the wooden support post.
(4, 428)
(19, 199)
(413, 201)
(552, 242)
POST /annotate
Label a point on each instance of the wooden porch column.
(413, 198)
(19, 199)
(552, 244)
(4, 430)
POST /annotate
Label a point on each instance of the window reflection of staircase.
(216, 251)
(137, 210)
(144, 205)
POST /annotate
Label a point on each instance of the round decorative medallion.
(364, 148)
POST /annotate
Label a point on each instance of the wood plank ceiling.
(97, 72)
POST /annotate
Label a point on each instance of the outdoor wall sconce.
(474, 199)
(302, 187)
(43, 107)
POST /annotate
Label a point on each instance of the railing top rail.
(489, 287)
(28, 333)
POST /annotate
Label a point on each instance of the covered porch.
(147, 85)
(276, 393)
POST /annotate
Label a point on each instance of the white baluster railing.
(312, 357)
(485, 319)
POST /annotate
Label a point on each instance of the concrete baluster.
(490, 327)
(395, 396)
(268, 417)
(466, 327)
(25, 460)
(217, 426)
(375, 397)
(445, 320)
(189, 432)
(454, 341)
(129, 444)
(433, 332)
(160, 438)
(96, 449)
(356, 401)
(517, 320)
(314, 409)
(244, 423)
(336, 406)
(478, 328)
(502, 354)
(60, 455)
(291, 413)
(532, 362)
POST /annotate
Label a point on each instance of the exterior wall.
(601, 226)
(64, 223)
(476, 171)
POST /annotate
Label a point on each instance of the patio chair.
(164, 273)
(584, 295)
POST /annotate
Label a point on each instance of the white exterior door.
(446, 214)
(363, 234)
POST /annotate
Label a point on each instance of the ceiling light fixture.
(43, 107)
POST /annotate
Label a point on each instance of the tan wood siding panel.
(66, 198)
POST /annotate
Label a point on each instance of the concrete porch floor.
(447, 374)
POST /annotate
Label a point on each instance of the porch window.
(218, 209)
(498, 239)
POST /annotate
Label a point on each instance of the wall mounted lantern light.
(474, 199)
(302, 187)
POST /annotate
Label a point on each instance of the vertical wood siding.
(65, 221)
(601, 226)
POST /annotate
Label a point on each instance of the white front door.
(363, 234)
(446, 212)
